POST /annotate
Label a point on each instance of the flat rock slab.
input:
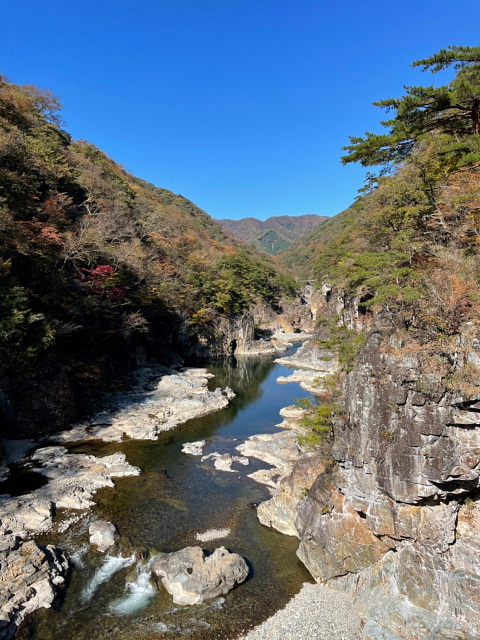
(309, 380)
(292, 412)
(278, 449)
(310, 356)
(162, 399)
(224, 461)
(192, 578)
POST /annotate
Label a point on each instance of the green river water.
(175, 497)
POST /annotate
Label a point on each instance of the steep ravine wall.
(249, 333)
(47, 402)
(395, 518)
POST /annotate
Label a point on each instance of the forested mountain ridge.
(95, 262)
(275, 234)
(300, 258)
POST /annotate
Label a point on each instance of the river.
(176, 497)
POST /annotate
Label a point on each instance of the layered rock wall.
(248, 333)
(395, 520)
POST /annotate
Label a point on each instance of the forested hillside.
(95, 263)
(410, 241)
(398, 325)
(274, 234)
(301, 257)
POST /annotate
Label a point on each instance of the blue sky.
(242, 106)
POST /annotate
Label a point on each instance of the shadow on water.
(21, 481)
(176, 497)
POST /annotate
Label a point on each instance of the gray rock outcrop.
(395, 521)
(192, 578)
(311, 357)
(162, 400)
(73, 480)
(278, 449)
(30, 577)
(260, 330)
(280, 511)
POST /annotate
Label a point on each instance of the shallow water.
(176, 497)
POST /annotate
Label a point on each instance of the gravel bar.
(315, 613)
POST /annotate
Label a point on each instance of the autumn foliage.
(92, 257)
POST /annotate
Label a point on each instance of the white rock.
(212, 534)
(160, 405)
(194, 448)
(224, 461)
(191, 577)
(102, 534)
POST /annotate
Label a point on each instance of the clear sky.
(240, 105)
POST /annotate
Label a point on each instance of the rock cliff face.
(395, 520)
(249, 333)
(393, 517)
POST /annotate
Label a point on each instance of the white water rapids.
(137, 594)
(111, 565)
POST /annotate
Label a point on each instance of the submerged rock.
(224, 461)
(192, 578)
(212, 534)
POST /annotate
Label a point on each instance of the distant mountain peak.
(275, 234)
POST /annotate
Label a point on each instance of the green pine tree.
(452, 109)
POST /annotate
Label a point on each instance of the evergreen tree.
(452, 109)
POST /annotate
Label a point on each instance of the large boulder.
(192, 578)
(102, 534)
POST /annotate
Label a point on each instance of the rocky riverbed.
(73, 480)
(31, 575)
